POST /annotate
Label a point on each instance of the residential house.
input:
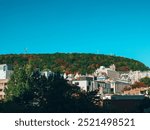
(85, 83)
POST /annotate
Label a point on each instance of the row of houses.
(134, 76)
(105, 80)
(108, 81)
(105, 87)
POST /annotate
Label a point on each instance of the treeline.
(30, 92)
(72, 62)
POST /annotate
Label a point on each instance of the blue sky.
(120, 27)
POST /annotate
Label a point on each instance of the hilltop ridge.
(73, 62)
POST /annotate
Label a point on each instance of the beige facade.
(136, 91)
(3, 85)
(110, 72)
(5, 73)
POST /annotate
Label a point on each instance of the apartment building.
(5, 73)
(3, 85)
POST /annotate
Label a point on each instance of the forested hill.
(72, 62)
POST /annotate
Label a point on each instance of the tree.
(146, 81)
(18, 83)
(138, 85)
(149, 92)
(82, 63)
(127, 88)
(53, 94)
(45, 94)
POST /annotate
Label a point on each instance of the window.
(4, 68)
(76, 83)
(89, 83)
(112, 91)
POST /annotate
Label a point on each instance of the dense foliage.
(146, 81)
(33, 92)
(143, 83)
(72, 62)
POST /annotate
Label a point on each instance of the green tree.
(18, 83)
(46, 94)
(53, 94)
(82, 63)
(146, 81)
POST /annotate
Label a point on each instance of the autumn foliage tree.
(72, 62)
(146, 81)
(138, 85)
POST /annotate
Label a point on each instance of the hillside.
(72, 62)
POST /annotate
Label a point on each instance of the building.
(3, 85)
(69, 77)
(102, 78)
(109, 72)
(104, 87)
(119, 86)
(47, 73)
(85, 83)
(134, 76)
(5, 73)
(137, 91)
(125, 104)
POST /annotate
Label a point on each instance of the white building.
(110, 72)
(5, 73)
(85, 83)
(134, 76)
(69, 77)
(104, 87)
(47, 73)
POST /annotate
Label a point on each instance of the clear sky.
(120, 27)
